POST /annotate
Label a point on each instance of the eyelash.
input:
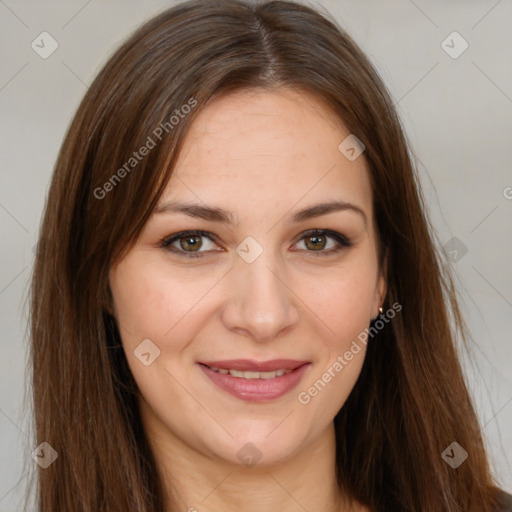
(342, 240)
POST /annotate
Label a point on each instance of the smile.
(251, 375)
(255, 381)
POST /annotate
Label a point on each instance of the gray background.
(456, 111)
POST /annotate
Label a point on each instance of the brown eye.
(315, 242)
(323, 242)
(191, 242)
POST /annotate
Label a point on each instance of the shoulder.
(505, 502)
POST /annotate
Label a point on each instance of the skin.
(262, 156)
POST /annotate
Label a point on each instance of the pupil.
(192, 242)
(317, 241)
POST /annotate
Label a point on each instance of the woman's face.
(254, 289)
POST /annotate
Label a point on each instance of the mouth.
(250, 375)
(255, 381)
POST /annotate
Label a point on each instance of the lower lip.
(256, 390)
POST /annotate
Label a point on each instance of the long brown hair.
(410, 401)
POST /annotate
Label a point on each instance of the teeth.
(251, 375)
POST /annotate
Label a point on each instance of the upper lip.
(249, 365)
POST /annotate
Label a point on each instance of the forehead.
(276, 148)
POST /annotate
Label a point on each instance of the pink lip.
(256, 390)
(248, 365)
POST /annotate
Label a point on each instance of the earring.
(380, 312)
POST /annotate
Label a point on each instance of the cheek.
(151, 302)
(342, 302)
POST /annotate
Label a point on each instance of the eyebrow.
(219, 215)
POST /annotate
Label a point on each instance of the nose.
(260, 303)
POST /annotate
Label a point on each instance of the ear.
(381, 287)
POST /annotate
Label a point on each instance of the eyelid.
(342, 241)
